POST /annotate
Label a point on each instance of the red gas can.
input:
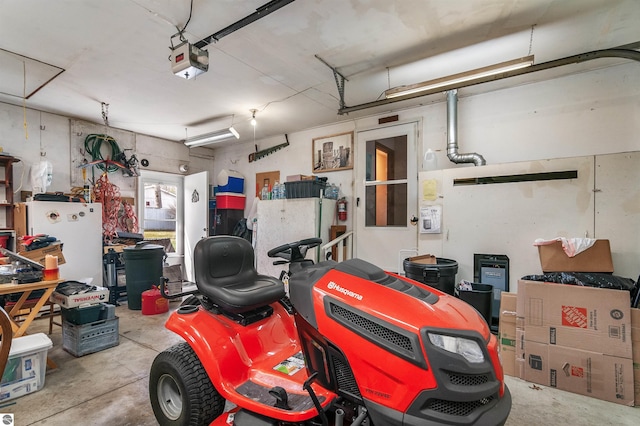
(153, 302)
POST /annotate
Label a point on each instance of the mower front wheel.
(180, 390)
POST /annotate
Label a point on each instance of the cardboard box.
(584, 372)
(635, 338)
(118, 248)
(296, 178)
(38, 255)
(129, 200)
(425, 259)
(585, 318)
(20, 221)
(596, 258)
(507, 332)
(9, 391)
(100, 294)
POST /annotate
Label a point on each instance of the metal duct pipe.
(452, 139)
(621, 52)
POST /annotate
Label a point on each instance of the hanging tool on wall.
(255, 156)
(130, 164)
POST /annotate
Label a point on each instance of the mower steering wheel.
(301, 247)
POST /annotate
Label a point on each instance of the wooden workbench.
(26, 290)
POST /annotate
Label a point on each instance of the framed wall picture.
(333, 153)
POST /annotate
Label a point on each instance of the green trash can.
(143, 269)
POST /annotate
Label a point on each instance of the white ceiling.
(117, 52)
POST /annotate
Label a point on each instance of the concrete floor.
(110, 387)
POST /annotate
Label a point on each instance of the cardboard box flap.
(425, 259)
(596, 258)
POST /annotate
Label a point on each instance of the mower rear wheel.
(180, 390)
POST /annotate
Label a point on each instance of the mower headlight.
(469, 349)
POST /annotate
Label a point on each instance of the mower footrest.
(260, 393)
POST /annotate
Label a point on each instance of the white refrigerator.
(289, 220)
(79, 227)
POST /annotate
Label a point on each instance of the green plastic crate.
(82, 314)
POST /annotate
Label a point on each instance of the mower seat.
(224, 273)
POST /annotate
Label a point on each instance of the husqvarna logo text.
(345, 291)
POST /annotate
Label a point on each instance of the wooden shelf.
(6, 162)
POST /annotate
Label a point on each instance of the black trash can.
(441, 275)
(143, 269)
(480, 297)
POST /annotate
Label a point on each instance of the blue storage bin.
(230, 181)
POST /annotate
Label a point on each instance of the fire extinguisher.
(342, 209)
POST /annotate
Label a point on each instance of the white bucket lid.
(30, 343)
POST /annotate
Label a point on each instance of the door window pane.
(160, 214)
(386, 205)
(386, 161)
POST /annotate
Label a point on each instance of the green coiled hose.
(93, 146)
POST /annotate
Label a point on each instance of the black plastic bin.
(441, 275)
(305, 188)
(143, 269)
(480, 297)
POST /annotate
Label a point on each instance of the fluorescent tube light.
(213, 137)
(462, 77)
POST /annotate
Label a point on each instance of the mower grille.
(344, 377)
(468, 379)
(456, 408)
(371, 327)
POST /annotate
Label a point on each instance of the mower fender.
(211, 342)
(229, 352)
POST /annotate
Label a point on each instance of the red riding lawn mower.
(351, 345)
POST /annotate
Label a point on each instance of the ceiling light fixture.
(459, 78)
(213, 137)
(253, 117)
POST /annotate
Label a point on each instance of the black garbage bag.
(590, 279)
(241, 230)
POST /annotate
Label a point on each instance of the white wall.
(589, 113)
(46, 137)
(60, 140)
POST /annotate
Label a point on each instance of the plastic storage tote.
(26, 366)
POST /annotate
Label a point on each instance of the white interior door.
(386, 194)
(196, 216)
